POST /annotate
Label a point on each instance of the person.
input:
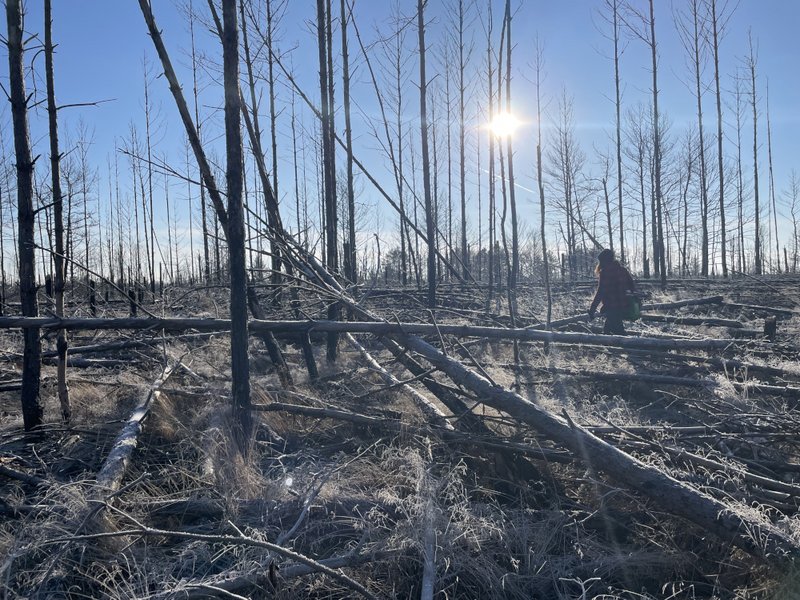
(614, 283)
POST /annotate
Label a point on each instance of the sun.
(504, 124)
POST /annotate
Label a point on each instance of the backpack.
(633, 312)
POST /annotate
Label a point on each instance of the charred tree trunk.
(461, 140)
(203, 216)
(240, 368)
(32, 354)
(716, 33)
(350, 255)
(657, 147)
(58, 215)
(328, 158)
(426, 170)
(751, 65)
(542, 229)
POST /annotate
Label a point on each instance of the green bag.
(634, 310)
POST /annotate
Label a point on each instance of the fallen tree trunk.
(657, 378)
(711, 321)
(784, 312)
(111, 473)
(758, 538)
(428, 408)
(716, 361)
(490, 441)
(374, 327)
(680, 303)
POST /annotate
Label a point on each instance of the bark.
(757, 537)
(716, 32)
(461, 140)
(240, 366)
(373, 327)
(350, 255)
(426, 406)
(58, 216)
(328, 158)
(110, 476)
(426, 169)
(751, 65)
(32, 409)
(186, 118)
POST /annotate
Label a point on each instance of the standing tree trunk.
(657, 152)
(514, 271)
(430, 226)
(275, 249)
(58, 215)
(461, 140)
(203, 217)
(751, 65)
(545, 261)
(740, 108)
(618, 107)
(691, 35)
(350, 255)
(240, 368)
(32, 353)
(152, 258)
(771, 198)
(716, 34)
(328, 158)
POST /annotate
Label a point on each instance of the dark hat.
(606, 256)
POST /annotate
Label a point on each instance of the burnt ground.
(375, 498)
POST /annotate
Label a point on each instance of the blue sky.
(102, 44)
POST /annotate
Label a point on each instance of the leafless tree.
(32, 409)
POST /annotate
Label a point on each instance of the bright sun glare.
(504, 124)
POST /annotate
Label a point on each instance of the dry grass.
(334, 488)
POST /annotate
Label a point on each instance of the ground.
(495, 512)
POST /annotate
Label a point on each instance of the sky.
(102, 45)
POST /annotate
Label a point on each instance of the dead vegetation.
(350, 489)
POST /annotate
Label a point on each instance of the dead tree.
(751, 67)
(240, 366)
(538, 67)
(643, 26)
(740, 109)
(512, 198)
(203, 217)
(58, 214)
(31, 359)
(614, 21)
(462, 65)
(718, 22)
(232, 219)
(771, 200)
(328, 156)
(691, 27)
(430, 226)
(350, 251)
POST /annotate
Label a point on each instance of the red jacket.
(612, 288)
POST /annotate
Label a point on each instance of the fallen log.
(657, 378)
(784, 312)
(758, 538)
(710, 321)
(681, 303)
(428, 408)
(111, 473)
(716, 361)
(491, 441)
(262, 579)
(380, 328)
